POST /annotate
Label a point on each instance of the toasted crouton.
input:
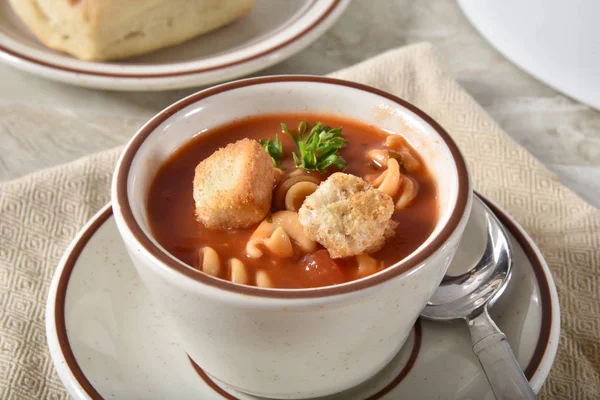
(233, 187)
(348, 216)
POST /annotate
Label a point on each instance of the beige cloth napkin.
(41, 213)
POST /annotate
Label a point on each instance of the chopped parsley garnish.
(318, 147)
(274, 148)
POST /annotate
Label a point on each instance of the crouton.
(348, 216)
(233, 187)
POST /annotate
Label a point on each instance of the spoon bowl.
(462, 295)
(469, 294)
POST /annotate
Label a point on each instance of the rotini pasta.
(276, 234)
(392, 182)
(411, 164)
(367, 265)
(280, 196)
(263, 280)
(389, 180)
(297, 193)
(408, 191)
(398, 145)
(237, 272)
(208, 261)
(278, 242)
(378, 157)
(395, 142)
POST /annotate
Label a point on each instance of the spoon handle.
(499, 364)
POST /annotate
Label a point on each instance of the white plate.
(556, 41)
(108, 341)
(273, 31)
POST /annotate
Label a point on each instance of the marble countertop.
(43, 123)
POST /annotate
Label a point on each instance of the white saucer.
(108, 341)
(273, 31)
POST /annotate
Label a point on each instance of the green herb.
(274, 148)
(318, 147)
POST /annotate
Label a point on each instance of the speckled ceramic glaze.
(289, 343)
(108, 340)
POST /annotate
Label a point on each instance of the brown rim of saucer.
(403, 373)
(400, 268)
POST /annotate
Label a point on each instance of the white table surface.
(43, 123)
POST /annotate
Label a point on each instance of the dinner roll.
(233, 187)
(113, 29)
(348, 216)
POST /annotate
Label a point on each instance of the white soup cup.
(290, 343)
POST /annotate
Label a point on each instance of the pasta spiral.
(379, 157)
(237, 272)
(409, 189)
(210, 263)
(367, 265)
(398, 145)
(392, 182)
(297, 193)
(263, 280)
(291, 193)
(389, 180)
(276, 234)
(277, 241)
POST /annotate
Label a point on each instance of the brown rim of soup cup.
(416, 258)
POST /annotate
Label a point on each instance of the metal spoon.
(467, 296)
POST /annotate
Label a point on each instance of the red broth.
(174, 225)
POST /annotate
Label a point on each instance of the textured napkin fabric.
(41, 213)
